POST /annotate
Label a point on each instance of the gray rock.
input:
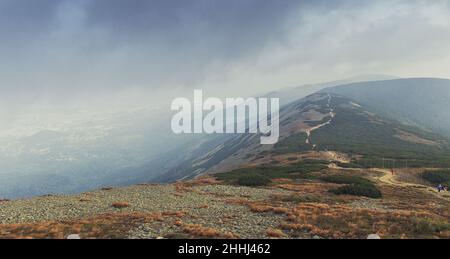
(373, 236)
(73, 236)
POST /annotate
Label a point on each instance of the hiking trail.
(388, 177)
(312, 129)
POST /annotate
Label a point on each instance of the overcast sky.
(51, 48)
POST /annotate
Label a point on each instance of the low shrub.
(253, 180)
(299, 170)
(365, 190)
(356, 186)
(344, 179)
(437, 177)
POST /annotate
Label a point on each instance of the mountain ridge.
(421, 102)
(298, 124)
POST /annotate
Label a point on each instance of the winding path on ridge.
(387, 177)
(310, 130)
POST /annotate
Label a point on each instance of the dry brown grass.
(199, 231)
(237, 201)
(340, 221)
(182, 187)
(259, 207)
(308, 187)
(268, 208)
(176, 214)
(275, 233)
(339, 217)
(107, 226)
(206, 180)
(304, 210)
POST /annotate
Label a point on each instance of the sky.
(61, 52)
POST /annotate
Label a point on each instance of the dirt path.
(388, 178)
(310, 130)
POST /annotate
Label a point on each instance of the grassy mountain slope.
(324, 122)
(357, 131)
(423, 102)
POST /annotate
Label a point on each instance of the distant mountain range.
(291, 94)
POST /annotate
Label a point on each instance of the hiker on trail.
(392, 171)
(440, 188)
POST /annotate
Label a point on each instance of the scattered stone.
(73, 236)
(220, 214)
(373, 236)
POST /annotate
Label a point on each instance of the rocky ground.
(206, 208)
(205, 205)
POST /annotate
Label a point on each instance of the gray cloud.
(94, 46)
(113, 44)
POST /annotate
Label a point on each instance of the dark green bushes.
(356, 186)
(253, 180)
(370, 191)
(437, 177)
(300, 170)
(344, 179)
